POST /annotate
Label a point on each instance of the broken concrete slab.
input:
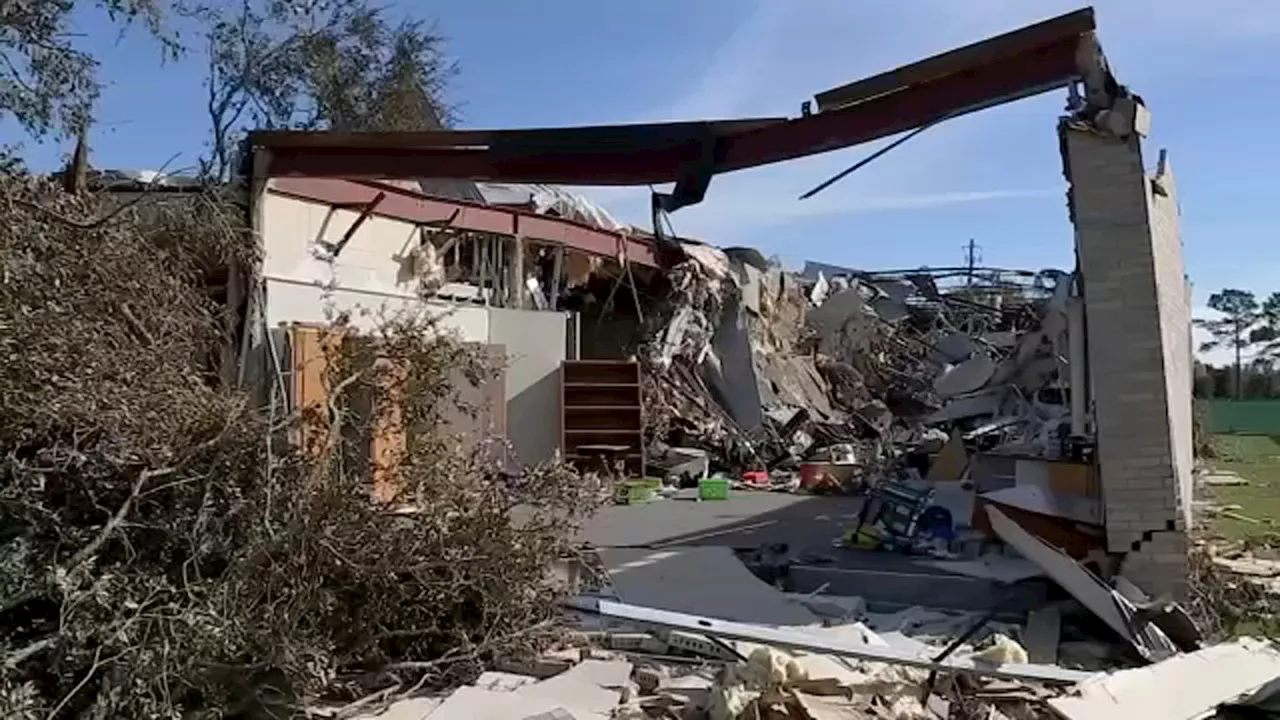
(470, 703)
(699, 580)
(502, 681)
(1110, 606)
(838, 308)
(1184, 687)
(605, 673)
(577, 688)
(410, 709)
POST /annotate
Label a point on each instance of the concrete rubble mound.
(847, 671)
(762, 369)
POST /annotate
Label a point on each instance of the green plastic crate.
(633, 492)
(713, 489)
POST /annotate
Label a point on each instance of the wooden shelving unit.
(601, 404)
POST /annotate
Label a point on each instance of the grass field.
(1257, 459)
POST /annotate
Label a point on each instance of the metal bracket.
(336, 249)
(691, 187)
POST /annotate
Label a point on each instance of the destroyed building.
(1067, 392)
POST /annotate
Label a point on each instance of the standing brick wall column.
(1137, 314)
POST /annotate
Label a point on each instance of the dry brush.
(172, 547)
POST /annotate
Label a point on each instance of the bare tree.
(47, 84)
(313, 65)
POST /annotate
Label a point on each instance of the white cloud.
(741, 211)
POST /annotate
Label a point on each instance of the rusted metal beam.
(411, 207)
(1011, 66)
(607, 137)
(951, 96)
(986, 52)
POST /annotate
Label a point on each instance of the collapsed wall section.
(1137, 315)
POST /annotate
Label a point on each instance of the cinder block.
(1139, 345)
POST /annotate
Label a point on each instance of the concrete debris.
(764, 370)
(1106, 603)
(1191, 685)
(814, 640)
(1223, 479)
(818, 673)
(636, 662)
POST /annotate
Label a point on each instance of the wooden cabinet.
(601, 405)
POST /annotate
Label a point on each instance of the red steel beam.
(977, 54)
(951, 96)
(962, 93)
(401, 204)
(1011, 66)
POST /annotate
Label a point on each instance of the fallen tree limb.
(21, 655)
(93, 547)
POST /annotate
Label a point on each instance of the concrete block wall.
(1137, 316)
(1174, 293)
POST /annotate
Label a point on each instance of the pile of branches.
(171, 546)
(1225, 605)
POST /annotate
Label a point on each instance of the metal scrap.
(737, 349)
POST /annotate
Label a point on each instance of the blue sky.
(1211, 80)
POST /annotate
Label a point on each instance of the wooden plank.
(387, 441)
(310, 382)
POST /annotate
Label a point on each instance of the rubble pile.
(632, 674)
(764, 369)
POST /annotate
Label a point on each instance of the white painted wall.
(535, 346)
(365, 279)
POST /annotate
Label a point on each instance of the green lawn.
(1257, 459)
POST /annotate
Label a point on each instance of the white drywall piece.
(1084, 586)
(969, 376)
(1180, 688)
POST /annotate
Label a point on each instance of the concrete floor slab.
(809, 525)
(744, 520)
(708, 581)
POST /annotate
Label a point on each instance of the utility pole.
(972, 256)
